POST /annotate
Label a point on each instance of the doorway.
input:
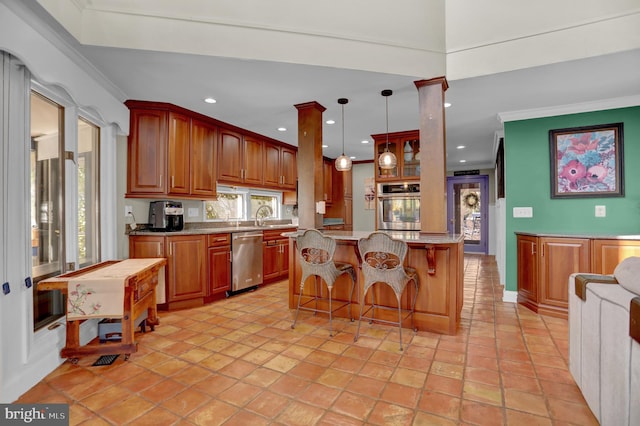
(467, 210)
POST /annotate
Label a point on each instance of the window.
(47, 198)
(237, 204)
(88, 193)
(60, 243)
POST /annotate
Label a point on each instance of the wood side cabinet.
(544, 266)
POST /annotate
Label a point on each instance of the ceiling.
(260, 96)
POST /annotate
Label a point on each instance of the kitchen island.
(438, 259)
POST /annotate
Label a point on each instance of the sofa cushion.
(628, 274)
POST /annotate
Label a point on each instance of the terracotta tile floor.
(238, 362)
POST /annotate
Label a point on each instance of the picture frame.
(587, 162)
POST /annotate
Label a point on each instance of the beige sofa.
(604, 356)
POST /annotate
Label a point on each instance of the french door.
(467, 210)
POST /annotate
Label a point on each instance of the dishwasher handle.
(247, 236)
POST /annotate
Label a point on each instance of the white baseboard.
(510, 296)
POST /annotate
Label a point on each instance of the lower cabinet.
(185, 272)
(275, 255)
(219, 270)
(544, 266)
(608, 253)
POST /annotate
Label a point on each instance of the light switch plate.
(193, 212)
(601, 211)
(523, 212)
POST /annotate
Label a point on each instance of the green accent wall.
(527, 183)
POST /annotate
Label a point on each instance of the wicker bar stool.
(315, 255)
(381, 260)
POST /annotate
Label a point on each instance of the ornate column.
(433, 144)
(310, 170)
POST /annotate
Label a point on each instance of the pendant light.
(343, 163)
(387, 159)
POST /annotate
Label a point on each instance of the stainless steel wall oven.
(398, 206)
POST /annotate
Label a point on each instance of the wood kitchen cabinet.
(219, 266)
(327, 172)
(544, 266)
(275, 250)
(280, 167)
(608, 253)
(240, 159)
(406, 147)
(147, 151)
(170, 152)
(185, 272)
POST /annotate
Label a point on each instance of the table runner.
(100, 293)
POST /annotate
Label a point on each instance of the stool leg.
(295, 319)
(330, 313)
(364, 295)
(399, 320)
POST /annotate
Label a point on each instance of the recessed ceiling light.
(365, 141)
(353, 157)
(210, 100)
(460, 147)
(330, 121)
(447, 104)
(325, 146)
(463, 161)
(282, 129)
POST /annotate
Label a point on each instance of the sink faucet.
(260, 220)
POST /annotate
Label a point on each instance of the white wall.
(363, 220)
(26, 357)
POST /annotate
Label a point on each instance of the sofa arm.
(581, 281)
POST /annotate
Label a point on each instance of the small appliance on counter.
(166, 216)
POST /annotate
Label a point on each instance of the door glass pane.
(468, 220)
(88, 191)
(46, 205)
(411, 157)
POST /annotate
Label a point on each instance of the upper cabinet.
(239, 158)
(147, 152)
(169, 153)
(406, 147)
(280, 167)
(176, 152)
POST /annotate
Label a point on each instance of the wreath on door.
(471, 200)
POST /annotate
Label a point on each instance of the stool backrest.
(382, 260)
(315, 254)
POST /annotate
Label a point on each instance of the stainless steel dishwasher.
(246, 267)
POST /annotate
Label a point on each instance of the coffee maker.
(166, 216)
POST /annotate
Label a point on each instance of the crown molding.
(600, 105)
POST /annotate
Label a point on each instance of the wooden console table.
(139, 295)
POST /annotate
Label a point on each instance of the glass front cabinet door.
(406, 147)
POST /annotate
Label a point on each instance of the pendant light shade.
(387, 159)
(343, 163)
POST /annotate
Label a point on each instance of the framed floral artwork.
(587, 161)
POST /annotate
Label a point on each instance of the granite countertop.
(215, 230)
(408, 236)
(580, 235)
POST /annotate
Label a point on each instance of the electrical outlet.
(27, 282)
(128, 210)
(5, 288)
(193, 212)
(601, 211)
